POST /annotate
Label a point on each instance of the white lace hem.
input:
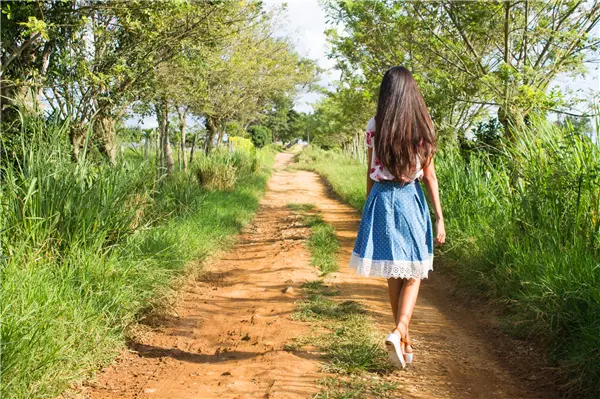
(391, 268)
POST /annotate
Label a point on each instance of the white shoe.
(409, 358)
(392, 343)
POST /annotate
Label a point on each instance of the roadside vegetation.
(89, 249)
(523, 230)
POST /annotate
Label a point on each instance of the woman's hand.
(440, 232)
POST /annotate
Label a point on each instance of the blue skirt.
(395, 237)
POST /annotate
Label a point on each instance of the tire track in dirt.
(226, 336)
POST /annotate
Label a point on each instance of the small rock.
(246, 337)
(287, 289)
(290, 281)
(149, 390)
(226, 373)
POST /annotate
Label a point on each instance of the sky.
(305, 25)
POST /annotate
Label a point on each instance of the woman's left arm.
(431, 184)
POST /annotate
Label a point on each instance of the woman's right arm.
(431, 184)
(369, 180)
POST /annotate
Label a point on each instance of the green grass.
(89, 249)
(323, 242)
(324, 246)
(523, 229)
(347, 176)
(356, 387)
(299, 207)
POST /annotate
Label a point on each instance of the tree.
(246, 77)
(100, 56)
(470, 57)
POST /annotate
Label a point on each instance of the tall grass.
(88, 248)
(523, 228)
(346, 175)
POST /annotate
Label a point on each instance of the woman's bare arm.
(431, 184)
(369, 180)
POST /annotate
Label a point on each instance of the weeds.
(344, 333)
(356, 387)
(297, 207)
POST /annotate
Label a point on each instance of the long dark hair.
(404, 132)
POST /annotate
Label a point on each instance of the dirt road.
(227, 334)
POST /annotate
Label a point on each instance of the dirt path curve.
(228, 332)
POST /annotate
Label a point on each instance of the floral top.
(377, 171)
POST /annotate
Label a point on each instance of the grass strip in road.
(323, 242)
(345, 334)
(342, 329)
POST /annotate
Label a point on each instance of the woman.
(395, 237)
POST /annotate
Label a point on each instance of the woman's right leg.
(394, 290)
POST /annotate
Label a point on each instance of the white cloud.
(306, 26)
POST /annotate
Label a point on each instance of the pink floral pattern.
(377, 171)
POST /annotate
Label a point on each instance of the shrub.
(260, 135)
(220, 170)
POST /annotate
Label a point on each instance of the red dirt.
(227, 334)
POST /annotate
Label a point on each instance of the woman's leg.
(406, 306)
(394, 289)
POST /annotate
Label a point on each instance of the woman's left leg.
(406, 306)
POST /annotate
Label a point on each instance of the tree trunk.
(162, 114)
(211, 131)
(146, 145)
(220, 137)
(76, 136)
(182, 124)
(193, 148)
(157, 149)
(178, 156)
(104, 129)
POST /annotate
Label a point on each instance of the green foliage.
(523, 227)
(469, 57)
(88, 248)
(221, 169)
(260, 135)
